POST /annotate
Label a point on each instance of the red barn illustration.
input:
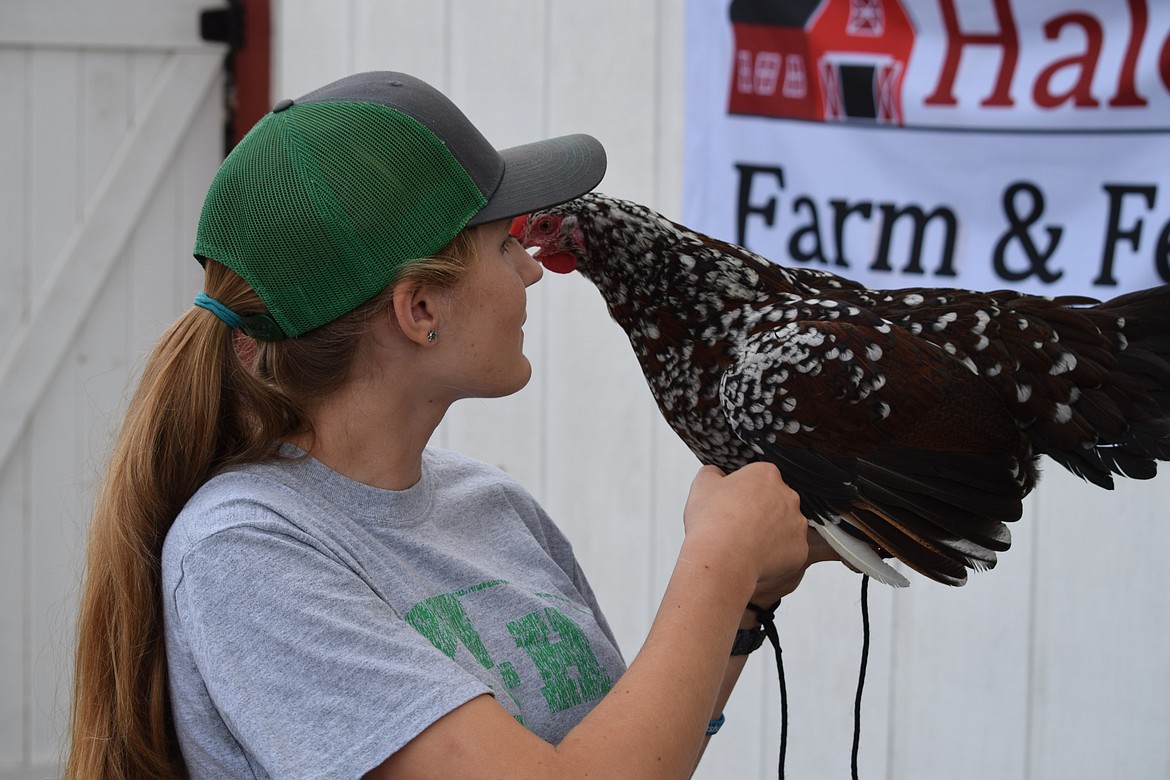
(826, 60)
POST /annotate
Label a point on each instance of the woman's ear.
(416, 309)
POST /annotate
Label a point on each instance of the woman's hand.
(749, 521)
(768, 592)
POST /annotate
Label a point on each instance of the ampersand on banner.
(1019, 231)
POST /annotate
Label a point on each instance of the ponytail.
(196, 410)
(205, 402)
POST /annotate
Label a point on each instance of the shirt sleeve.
(313, 674)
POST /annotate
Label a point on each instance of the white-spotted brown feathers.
(910, 419)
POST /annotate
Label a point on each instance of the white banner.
(903, 143)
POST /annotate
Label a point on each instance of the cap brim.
(543, 174)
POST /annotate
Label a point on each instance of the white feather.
(860, 555)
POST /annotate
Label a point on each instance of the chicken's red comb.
(518, 223)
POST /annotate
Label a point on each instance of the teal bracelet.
(714, 726)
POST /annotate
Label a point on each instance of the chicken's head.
(556, 237)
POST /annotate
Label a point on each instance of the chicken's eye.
(544, 225)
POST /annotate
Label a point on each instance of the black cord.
(768, 621)
(861, 674)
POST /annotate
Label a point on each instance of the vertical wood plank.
(61, 435)
(55, 197)
(13, 611)
(106, 95)
(14, 153)
(151, 252)
(962, 653)
(1101, 694)
(612, 98)
(670, 96)
(14, 296)
(102, 346)
(55, 200)
(55, 442)
(311, 44)
(495, 73)
(199, 158)
(148, 273)
(408, 36)
(165, 275)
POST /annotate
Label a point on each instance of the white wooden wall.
(1055, 665)
(110, 131)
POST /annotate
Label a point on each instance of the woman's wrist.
(763, 599)
(711, 563)
(751, 633)
(749, 620)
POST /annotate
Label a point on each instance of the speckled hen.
(909, 421)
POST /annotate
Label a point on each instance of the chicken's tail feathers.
(860, 555)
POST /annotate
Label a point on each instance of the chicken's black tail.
(1122, 418)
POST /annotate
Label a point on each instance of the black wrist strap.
(767, 618)
(748, 640)
(765, 614)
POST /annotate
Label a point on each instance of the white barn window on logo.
(743, 71)
(795, 79)
(759, 75)
(866, 17)
(768, 64)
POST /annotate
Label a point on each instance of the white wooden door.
(110, 132)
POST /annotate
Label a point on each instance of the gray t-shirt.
(315, 625)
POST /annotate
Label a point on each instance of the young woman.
(285, 581)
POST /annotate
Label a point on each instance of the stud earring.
(431, 335)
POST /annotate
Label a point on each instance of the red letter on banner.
(1007, 38)
(1080, 92)
(1126, 91)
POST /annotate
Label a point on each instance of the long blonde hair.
(203, 404)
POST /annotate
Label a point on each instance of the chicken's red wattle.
(559, 263)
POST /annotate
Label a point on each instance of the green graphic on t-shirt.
(554, 660)
(508, 673)
(444, 621)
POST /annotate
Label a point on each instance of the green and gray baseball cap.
(330, 195)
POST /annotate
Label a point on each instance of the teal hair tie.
(226, 315)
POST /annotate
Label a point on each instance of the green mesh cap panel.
(321, 205)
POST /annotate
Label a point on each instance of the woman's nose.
(531, 271)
